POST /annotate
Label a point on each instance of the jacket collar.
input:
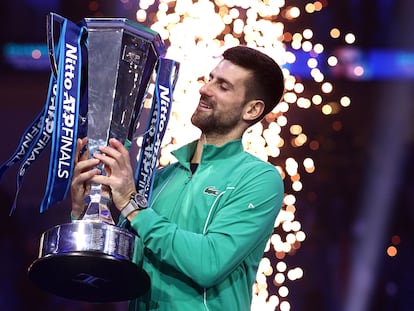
(210, 152)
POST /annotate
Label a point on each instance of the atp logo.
(211, 190)
(89, 280)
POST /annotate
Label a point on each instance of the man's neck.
(204, 139)
(199, 149)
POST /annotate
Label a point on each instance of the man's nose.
(206, 89)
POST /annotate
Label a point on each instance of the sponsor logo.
(68, 114)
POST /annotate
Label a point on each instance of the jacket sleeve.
(244, 222)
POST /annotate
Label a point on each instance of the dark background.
(355, 164)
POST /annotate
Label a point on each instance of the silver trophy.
(91, 259)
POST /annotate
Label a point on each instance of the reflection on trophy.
(89, 259)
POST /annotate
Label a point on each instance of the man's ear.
(253, 110)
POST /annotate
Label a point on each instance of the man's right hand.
(84, 170)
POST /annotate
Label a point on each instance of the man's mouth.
(204, 104)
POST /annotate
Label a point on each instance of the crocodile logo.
(211, 190)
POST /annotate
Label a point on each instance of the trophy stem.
(98, 206)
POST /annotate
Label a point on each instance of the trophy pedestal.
(89, 261)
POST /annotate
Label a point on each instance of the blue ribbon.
(24, 145)
(68, 98)
(157, 125)
(58, 120)
(41, 141)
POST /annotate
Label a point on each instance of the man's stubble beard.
(211, 124)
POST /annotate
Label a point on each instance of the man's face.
(222, 99)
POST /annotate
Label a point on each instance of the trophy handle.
(50, 19)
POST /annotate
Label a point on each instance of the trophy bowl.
(88, 261)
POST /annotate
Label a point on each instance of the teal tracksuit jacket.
(205, 233)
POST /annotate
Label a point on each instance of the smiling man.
(213, 210)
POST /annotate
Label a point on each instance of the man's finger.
(86, 165)
(80, 144)
(116, 144)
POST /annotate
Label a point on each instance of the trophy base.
(88, 276)
(89, 260)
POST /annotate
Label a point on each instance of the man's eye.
(224, 86)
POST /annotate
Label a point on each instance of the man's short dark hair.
(267, 82)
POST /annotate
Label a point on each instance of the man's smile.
(204, 105)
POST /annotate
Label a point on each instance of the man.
(211, 212)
